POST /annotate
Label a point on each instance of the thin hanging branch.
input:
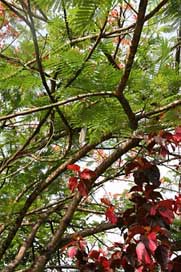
(122, 30)
(178, 49)
(61, 103)
(41, 70)
(21, 149)
(159, 110)
(69, 35)
(71, 80)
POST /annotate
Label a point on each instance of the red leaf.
(73, 167)
(106, 201)
(140, 269)
(166, 135)
(152, 210)
(168, 203)
(136, 229)
(142, 254)
(82, 243)
(72, 251)
(152, 242)
(105, 263)
(72, 184)
(151, 246)
(130, 166)
(94, 254)
(137, 188)
(82, 189)
(116, 255)
(162, 256)
(87, 174)
(164, 151)
(177, 135)
(167, 215)
(110, 215)
(177, 207)
(116, 259)
(152, 236)
(175, 264)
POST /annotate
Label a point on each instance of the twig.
(14, 9)
(133, 49)
(112, 61)
(27, 66)
(159, 110)
(56, 240)
(41, 70)
(121, 30)
(61, 103)
(131, 7)
(71, 80)
(20, 150)
(4, 244)
(66, 22)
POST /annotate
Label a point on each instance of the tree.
(90, 94)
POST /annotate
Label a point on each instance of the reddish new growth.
(7, 30)
(81, 180)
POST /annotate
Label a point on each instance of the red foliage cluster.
(146, 224)
(164, 139)
(144, 227)
(82, 179)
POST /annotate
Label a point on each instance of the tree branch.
(61, 103)
(66, 22)
(22, 251)
(71, 80)
(15, 155)
(41, 70)
(56, 240)
(27, 66)
(133, 49)
(4, 244)
(86, 232)
(122, 30)
(159, 110)
(23, 3)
